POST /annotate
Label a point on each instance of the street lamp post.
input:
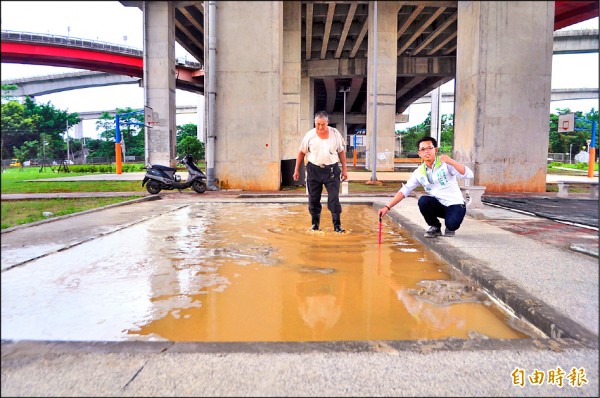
(83, 150)
(373, 179)
(570, 152)
(67, 134)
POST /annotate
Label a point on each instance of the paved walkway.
(352, 176)
(539, 275)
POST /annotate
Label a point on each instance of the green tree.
(7, 91)
(187, 130)
(191, 145)
(410, 136)
(446, 143)
(43, 151)
(17, 126)
(131, 129)
(51, 121)
(25, 121)
(187, 141)
(28, 150)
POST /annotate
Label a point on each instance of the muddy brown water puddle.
(250, 273)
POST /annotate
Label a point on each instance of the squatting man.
(324, 148)
(438, 176)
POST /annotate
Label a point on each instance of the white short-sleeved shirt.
(322, 151)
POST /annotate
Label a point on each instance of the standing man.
(438, 176)
(324, 147)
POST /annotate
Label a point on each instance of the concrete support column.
(307, 106)
(387, 48)
(502, 98)
(159, 85)
(291, 133)
(249, 95)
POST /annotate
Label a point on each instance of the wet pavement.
(582, 211)
(228, 273)
(526, 261)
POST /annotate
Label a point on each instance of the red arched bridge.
(61, 51)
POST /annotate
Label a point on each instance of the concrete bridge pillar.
(159, 84)
(387, 60)
(503, 88)
(249, 101)
(307, 106)
(291, 132)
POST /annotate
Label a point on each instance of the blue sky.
(111, 22)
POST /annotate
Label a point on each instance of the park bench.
(563, 187)
(408, 163)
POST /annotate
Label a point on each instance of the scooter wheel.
(199, 186)
(153, 187)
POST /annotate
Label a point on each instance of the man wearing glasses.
(444, 200)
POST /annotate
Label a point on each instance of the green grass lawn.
(23, 180)
(19, 212)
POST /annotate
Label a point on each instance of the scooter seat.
(164, 168)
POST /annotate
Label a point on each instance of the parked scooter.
(160, 177)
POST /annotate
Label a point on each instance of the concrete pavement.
(543, 281)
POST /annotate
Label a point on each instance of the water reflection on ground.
(248, 272)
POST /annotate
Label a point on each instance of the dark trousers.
(431, 209)
(316, 178)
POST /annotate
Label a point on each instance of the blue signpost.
(592, 146)
(119, 139)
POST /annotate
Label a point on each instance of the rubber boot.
(337, 222)
(315, 222)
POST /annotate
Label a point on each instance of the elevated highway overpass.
(557, 95)
(71, 52)
(565, 42)
(335, 44)
(314, 49)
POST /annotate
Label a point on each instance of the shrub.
(132, 167)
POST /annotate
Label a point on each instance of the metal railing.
(560, 157)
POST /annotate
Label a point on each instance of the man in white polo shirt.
(324, 148)
(438, 176)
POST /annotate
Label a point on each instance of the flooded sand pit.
(250, 273)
